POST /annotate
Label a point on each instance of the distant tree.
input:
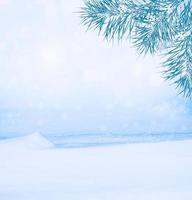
(153, 26)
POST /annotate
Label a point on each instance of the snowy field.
(32, 169)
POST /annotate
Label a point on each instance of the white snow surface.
(154, 171)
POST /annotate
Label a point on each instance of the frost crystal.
(169, 8)
(122, 8)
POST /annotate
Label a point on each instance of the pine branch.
(159, 30)
(116, 18)
(152, 26)
(178, 65)
(152, 38)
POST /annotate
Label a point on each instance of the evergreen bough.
(153, 26)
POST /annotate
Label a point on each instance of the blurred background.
(56, 78)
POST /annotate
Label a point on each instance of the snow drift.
(31, 141)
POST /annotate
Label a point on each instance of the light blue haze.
(57, 78)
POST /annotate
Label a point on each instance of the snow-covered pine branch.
(152, 25)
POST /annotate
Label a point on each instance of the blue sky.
(56, 77)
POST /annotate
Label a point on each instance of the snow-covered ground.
(32, 169)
